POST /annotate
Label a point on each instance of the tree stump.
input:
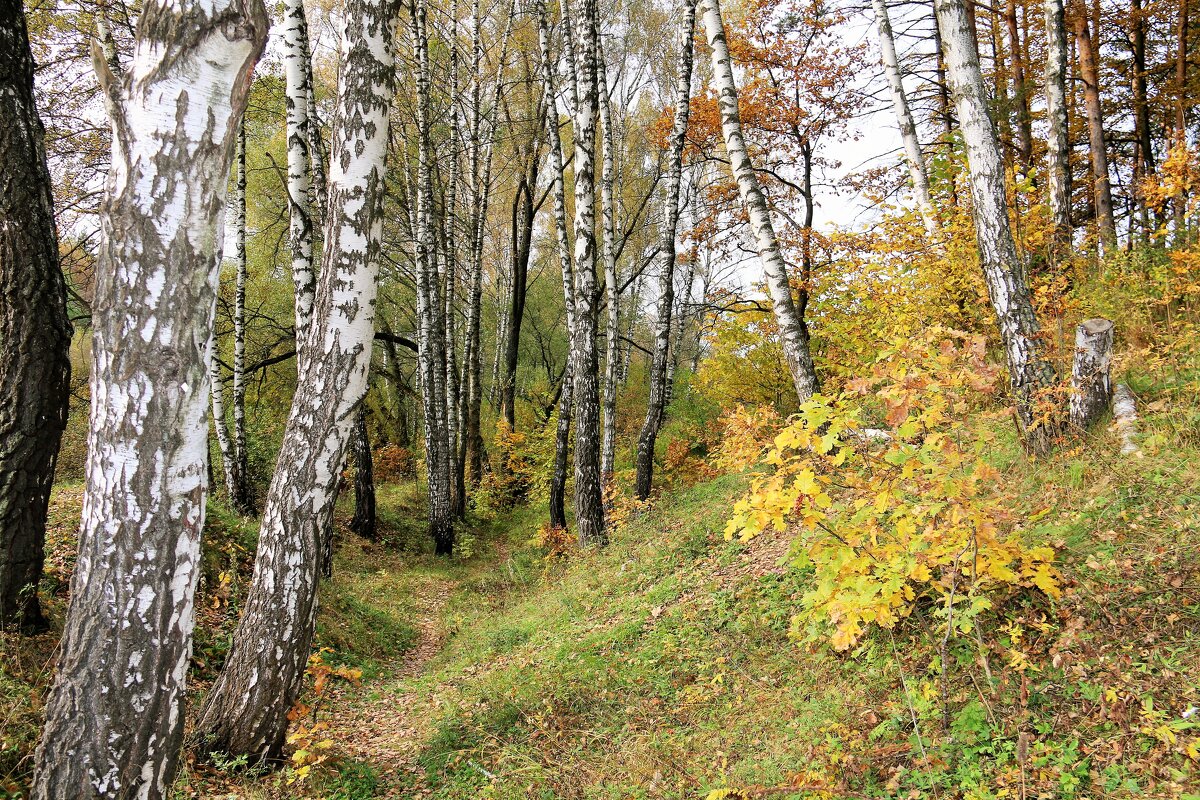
(1091, 383)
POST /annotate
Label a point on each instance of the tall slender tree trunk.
(522, 239)
(1058, 145)
(608, 221)
(224, 440)
(791, 328)
(114, 718)
(1029, 372)
(431, 341)
(904, 117)
(1181, 55)
(244, 501)
(1101, 189)
(363, 521)
(245, 714)
(562, 432)
(35, 367)
(1016, 56)
(297, 69)
(589, 502)
(1145, 163)
(656, 407)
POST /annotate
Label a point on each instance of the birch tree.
(35, 368)
(589, 502)
(1029, 372)
(659, 367)
(608, 222)
(245, 714)
(244, 500)
(1057, 144)
(904, 117)
(792, 334)
(114, 717)
(297, 70)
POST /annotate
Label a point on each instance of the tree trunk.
(904, 117)
(35, 367)
(1145, 162)
(608, 216)
(431, 341)
(1030, 374)
(589, 502)
(1090, 75)
(114, 718)
(1181, 54)
(522, 239)
(1091, 383)
(224, 441)
(791, 328)
(562, 433)
(363, 522)
(1020, 87)
(245, 714)
(656, 407)
(1058, 146)
(297, 70)
(244, 501)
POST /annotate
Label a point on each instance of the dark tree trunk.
(246, 713)
(1090, 74)
(35, 369)
(666, 286)
(522, 237)
(363, 522)
(114, 719)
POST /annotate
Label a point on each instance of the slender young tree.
(1058, 146)
(1016, 57)
(904, 117)
(608, 222)
(363, 521)
(792, 334)
(562, 433)
(244, 500)
(114, 718)
(1089, 73)
(224, 440)
(35, 367)
(589, 495)
(298, 69)
(245, 714)
(1029, 371)
(666, 255)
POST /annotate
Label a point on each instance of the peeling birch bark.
(1091, 383)
(245, 713)
(114, 718)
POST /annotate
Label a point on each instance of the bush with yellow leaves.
(895, 518)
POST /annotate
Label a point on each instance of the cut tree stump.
(1091, 383)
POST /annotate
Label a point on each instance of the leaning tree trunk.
(244, 500)
(608, 215)
(431, 342)
(1058, 146)
(791, 327)
(246, 713)
(1029, 372)
(1089, 73)
(562, 433)
(589, 495)
(363, 521)
(114, 719)
(904, 117)
(666, 253)
(35, 368)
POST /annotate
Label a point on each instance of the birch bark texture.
(245, 714)
(1091, 379)
(1029, 372)
(244, 501)
(589, 494)
(1058, 146)
(114, 718)
(566, 398)
(35, 368)
(659, 371)
(904, 117)
(608, 222)
(297, 69)
(792, 335)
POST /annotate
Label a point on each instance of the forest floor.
(665, 666)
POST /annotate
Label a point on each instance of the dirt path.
(381, 721)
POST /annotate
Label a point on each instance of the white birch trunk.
(243, 502)
(904, 117)
(792, 336)
(1058, 147)
(612, 356)
(297, 68)
(1091, 381)
(224, 442)
(114, 718)
(246, 711)
(1029, 372)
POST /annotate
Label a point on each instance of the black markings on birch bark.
(1058, 147)
(114, 718)
(1091, 380)
(246, 711)
(659, 366)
